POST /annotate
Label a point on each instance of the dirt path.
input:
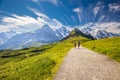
(84, 64)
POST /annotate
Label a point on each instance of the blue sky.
(28, 15)
(62, 11)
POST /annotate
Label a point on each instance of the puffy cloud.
(22, 24)
(19, 20)
(26, 23)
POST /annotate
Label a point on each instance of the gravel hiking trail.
(84, 64)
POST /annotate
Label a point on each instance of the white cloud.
(37, 12)
(55, 2)
(22, 24)
(45, 19)
(101, 18)
(5, 27)
(78, 11)
(26, 23)
(57, 23)
(35, 1)
(96, 10)
(114, 7)
(19, 20)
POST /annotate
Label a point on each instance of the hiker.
(75, 44)
(78, 44)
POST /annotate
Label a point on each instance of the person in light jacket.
(75, 44)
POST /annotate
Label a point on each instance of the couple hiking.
(77, 44)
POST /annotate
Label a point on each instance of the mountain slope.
(4, 36)
(97, 33)
(110, 27)
(76, 33)
(46, 34)
(108, 46)
(41, 36)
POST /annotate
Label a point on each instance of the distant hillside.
(108, 46)
(76, 33)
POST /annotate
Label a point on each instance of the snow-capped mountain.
(43, 35)
(113, 27)
(97, 33)
(48, 34)
(4, 36)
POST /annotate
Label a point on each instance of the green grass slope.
(108, 46)
(76, 33)
(39, 63)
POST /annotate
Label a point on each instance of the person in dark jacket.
(78, 44)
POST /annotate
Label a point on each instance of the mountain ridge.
(41, 36)
(47, 35)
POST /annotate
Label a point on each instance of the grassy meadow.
(42, 63)
(35, 63)
(108, 46)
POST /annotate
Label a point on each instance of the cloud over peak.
(23, 24)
